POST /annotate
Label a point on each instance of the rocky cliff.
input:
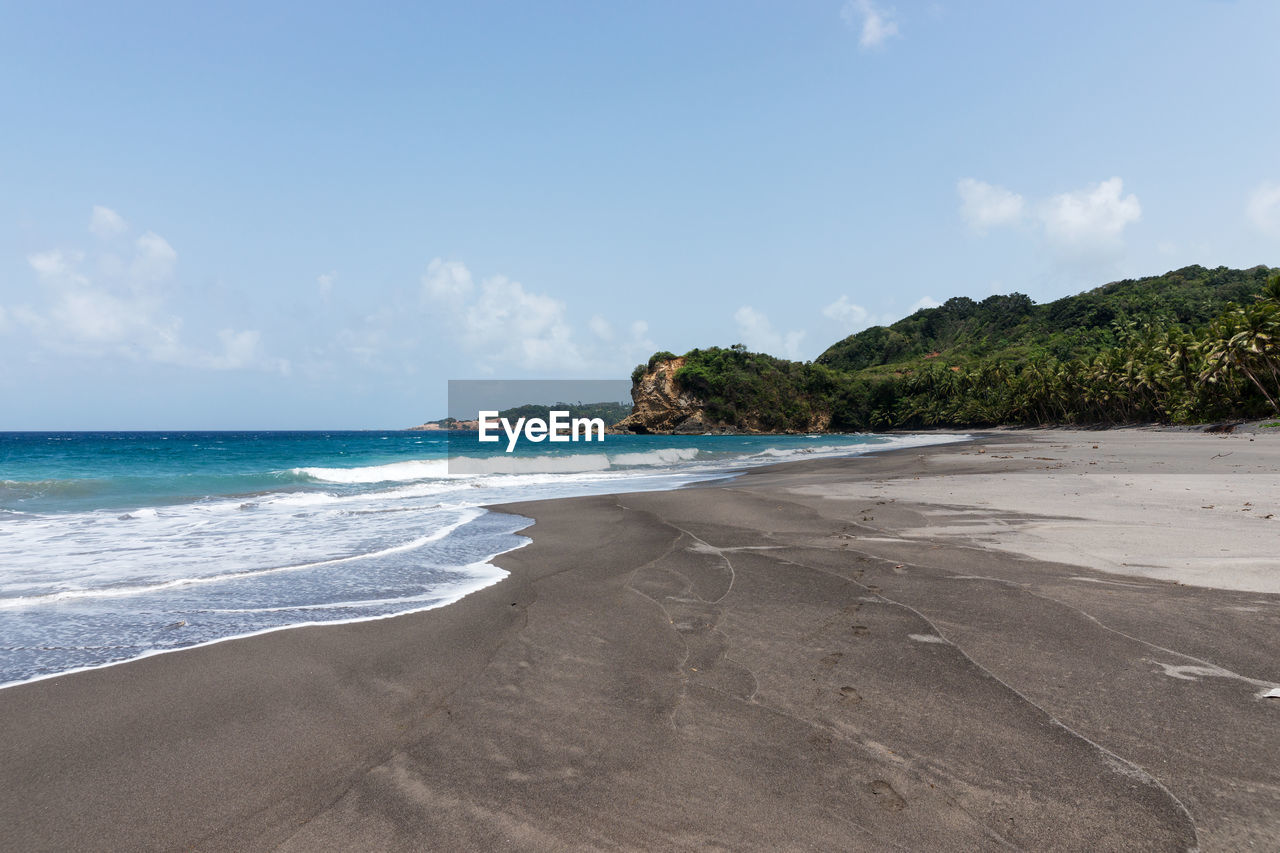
(662, 405)
(659, 406)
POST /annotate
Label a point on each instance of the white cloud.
(601, 328)
(154, 260)
(1094, 217)
(509, 324)
(25, 316)
(105, 223)
(500, 321)
(58, 266)
(450, 280)
(847, 313)
(504, 324)
(631, 347)
(635, 344)
(326, 281)
(1085, 224)
(121, 310)
(876, 25)
(640, 346)
(984, 205)
(853, 317)
(94, 316)
(758, 334)
(640, 333)
(1264, 208)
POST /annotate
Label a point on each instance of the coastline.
(785, 659)
(462, 592)
(469, 576)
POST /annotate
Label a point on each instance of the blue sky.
(312, 215)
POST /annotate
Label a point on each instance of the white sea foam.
(298, 499)
(479, 575)
(394, 472)
(577, 463)
(143, 589)
(662, 456)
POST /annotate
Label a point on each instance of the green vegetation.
(1190, 346)
(663, 355)
(768, 393)
(443, 423)
(1014, 330)
(611, 413)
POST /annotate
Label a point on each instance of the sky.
(313, 215)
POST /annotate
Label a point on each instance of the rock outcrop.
(659, 406)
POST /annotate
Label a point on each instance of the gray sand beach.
(1037, 640)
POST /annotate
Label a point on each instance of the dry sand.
(820, 655)
(1187, 507)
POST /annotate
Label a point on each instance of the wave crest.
(394, 472)
(661, 456)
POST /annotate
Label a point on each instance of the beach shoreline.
(450, 533)
(870, 652)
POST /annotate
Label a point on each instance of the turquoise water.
(118, 545)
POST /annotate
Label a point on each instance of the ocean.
(118, 545)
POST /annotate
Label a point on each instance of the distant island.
(610, 413)
(1194, 345)
(445, 424)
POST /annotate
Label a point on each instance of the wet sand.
(818, 655)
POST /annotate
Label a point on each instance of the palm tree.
(1245, 342)
(1271, 290)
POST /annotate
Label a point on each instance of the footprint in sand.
(860, 630)
(832, 659)
(850, 694)
(886, 796)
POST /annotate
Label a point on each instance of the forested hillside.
(1013, 328)
(1189, 346)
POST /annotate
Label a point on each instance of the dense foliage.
(610, 412)
(1011, 328)
(1191, 346)
(751, 388)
